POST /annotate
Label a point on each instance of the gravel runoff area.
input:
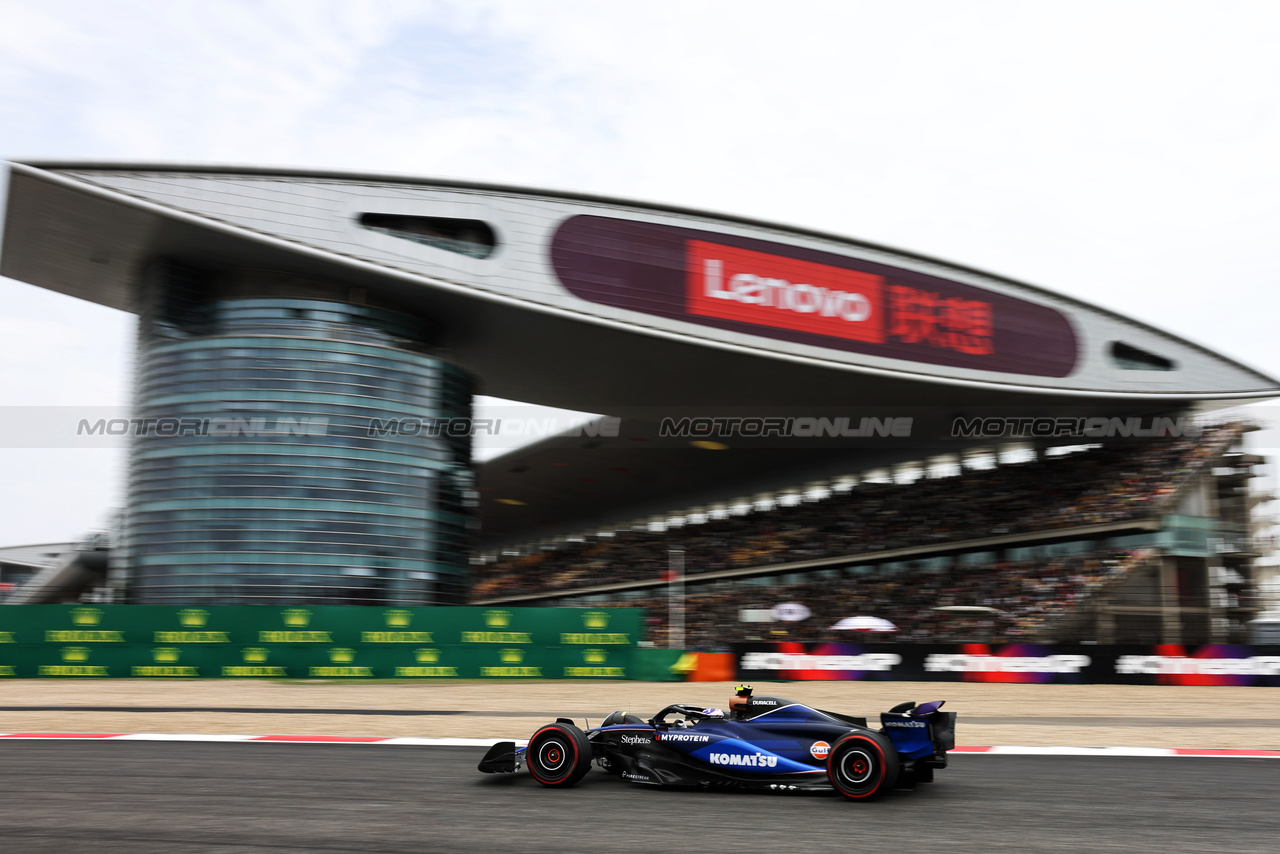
(990, 714)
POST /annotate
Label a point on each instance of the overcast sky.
(1124, 153)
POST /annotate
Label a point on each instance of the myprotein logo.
(770, 290)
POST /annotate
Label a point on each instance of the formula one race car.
(763, 743)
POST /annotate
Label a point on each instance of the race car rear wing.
(920, 731)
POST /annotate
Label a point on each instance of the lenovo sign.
(768, 290)
(808, 296)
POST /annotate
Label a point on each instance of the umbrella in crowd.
(791, 612)
(864, 624)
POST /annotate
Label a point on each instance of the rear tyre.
(558, 755)
(862, 766)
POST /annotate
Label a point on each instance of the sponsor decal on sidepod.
(752, 760)
(680, 736)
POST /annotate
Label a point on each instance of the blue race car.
(763, 742)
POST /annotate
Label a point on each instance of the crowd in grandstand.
(1103, 484)
(1004, 602)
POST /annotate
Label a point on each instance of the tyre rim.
(856, 767)
(552, 755)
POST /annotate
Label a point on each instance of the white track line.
(1003, 750)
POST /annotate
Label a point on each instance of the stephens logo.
(820, 750)
(769, 290)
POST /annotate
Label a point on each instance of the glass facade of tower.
(290, 448)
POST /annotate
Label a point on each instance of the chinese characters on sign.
(921, 317)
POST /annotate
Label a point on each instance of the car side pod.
(501, 759)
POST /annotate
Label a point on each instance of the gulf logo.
(819, 750)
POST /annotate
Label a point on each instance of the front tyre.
(558, 755)
(862, 766)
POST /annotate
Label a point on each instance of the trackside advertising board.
(317, 642)
(1163, 664)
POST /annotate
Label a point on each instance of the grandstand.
(1115, 543)
(310, 343)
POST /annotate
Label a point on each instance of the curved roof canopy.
(628, 309)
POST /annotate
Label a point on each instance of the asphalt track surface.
(183, 798)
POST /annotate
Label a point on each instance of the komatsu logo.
(906, 724)
(755, 760)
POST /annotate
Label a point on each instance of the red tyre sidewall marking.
(878, 753)
(572, 742)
